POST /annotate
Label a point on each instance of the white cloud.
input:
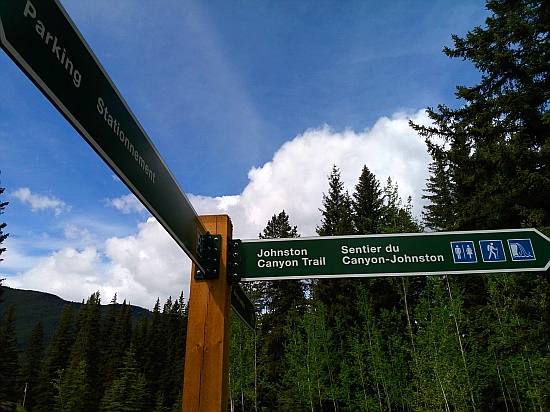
(148, 264)
(297, 177)
(127, 204)
(69, 273)
(38, 202)
(139, 268)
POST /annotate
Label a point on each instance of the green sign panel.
(43, 41)
(242, 306)
(407, 254)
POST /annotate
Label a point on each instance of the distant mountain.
(32, 306)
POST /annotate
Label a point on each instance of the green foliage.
(243, 355)
(97, 338)
(127, 392)
(72, 389)
(308, 358)
(56, 359)
(367, 204)
(337, 217)
(493, 170)
(281, 297)
(86, 350)
(9, 358)
(394, 216)
(441, 370)
(31, 365)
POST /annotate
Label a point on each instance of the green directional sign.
(43, 41)
(406, 254)
(242, 306)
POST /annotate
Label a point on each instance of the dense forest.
(428, 343)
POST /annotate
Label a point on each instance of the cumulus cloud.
(65, 273)
(38, 202)
(139, 268)
(148, 264)
(297, 176)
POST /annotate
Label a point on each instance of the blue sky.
(249, 103)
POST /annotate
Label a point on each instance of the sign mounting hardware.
(209, 250)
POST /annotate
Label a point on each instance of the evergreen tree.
(140, 334)
(9, 360)
(56, 359)
(497, 151)
(337, 217)
(491, 169)
(116, 339)
(337, 220)
(155, 363)
(367, 204)
(86, 353)
(31, 365)
(281, 298)
(109, 343)
(3, 236)
(396, 217)
(72, 389)
(174, 320)
(440, 213)
(127, 392)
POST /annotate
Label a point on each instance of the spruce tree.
(140, 334)
(174, 321)
(56, 359)
(281, 298)
(497, 143)
(491, 170)
(282, 295)
(440, 213)
(337, 216)
(155, 363)
(9, 360)
(337, 297)
(31, 365)
(72, 387)
(367, 203)
(115, 340)
(85, 355)
(397, 217)
(128, 391)
(110, 344)
(337, 220)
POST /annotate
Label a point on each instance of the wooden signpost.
(205, 384)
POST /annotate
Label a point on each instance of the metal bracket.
(209, 249)
(234, 260)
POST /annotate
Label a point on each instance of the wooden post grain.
(206, 375)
